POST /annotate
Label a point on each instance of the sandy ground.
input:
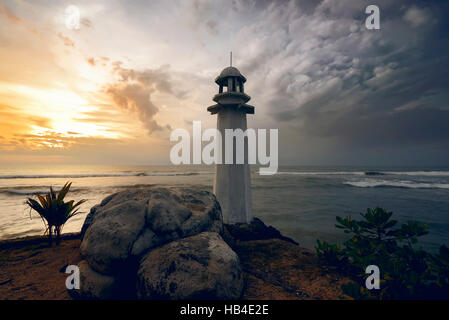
(35, 271)
(273, 269)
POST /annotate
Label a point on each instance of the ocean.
(301, 202)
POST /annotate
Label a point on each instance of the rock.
(164, 239)
(256, 230)
(228, 238)
(147, 240)
(107, 241)
(197, 267)
(94, 285)
(88, 221)
(129, 223)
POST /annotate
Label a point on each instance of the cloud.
(321, 72)
(313, 69)
(47, 139)
(136, 98)
(4, 10)
(13, 18)
(86, 23)
(203, 13)
(91, 61)
(134, 90)
(66, 40)
(14, 125)
(417, 17)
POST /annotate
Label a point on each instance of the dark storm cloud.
(325, 74)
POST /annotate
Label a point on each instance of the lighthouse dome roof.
(229, 72)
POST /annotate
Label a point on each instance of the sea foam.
(396, 184)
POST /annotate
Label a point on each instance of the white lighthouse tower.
(232, 184)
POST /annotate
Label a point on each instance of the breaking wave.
(100, 175)
(368, 173)
(396, 184)
(421, 173)
(321, 173)
(31, 191)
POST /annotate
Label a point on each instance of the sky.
(111, 90)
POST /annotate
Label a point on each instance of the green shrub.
(407, 272)
(54, 211)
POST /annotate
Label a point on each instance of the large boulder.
(94, 285)
(142, 229)
(129, 223)
(197, 267)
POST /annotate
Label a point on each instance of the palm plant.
(54, 211)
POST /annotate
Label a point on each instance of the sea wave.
(30, 192)
(99, 175)
(321, 173)
(193, 173)
(368, 173)
(420, 173)
(396, 184)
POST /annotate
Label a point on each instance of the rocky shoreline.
(273, 269)
(166, 244)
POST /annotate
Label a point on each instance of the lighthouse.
(232, 183)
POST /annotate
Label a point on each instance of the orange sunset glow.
(109, 84)
(69, 92)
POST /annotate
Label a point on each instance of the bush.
(407, 272)
(54, 211)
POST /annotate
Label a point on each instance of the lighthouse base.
(232, 182)
(232, 187)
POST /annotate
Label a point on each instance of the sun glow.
(61, 117)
